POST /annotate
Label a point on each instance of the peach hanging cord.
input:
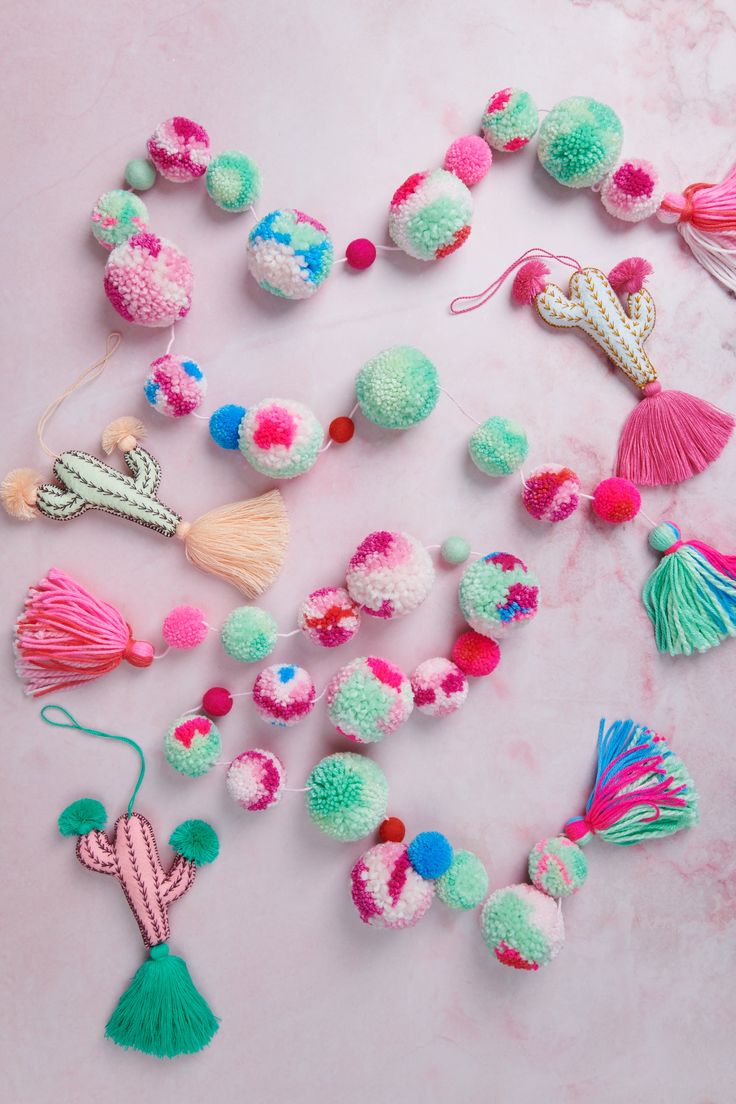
(113, 343)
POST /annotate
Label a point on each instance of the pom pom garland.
(579, 141)
(551, 493)
(255, 780)
(149, 281)
(498, 593)
(175, 386)
(289, 254)
(249, 634)
(329, 617)
(386, 891)
(369, 699)
(347, 796)
(469, 158)
(233, 181)
(192, 745)
(389, 574)
(510, 120)
(439, 687)
(184, 628)
(632, 192)
(180, 149)
(283, 694)
(430, 215)
(116, 216)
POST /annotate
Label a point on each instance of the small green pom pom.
(397, 388)
(249, 634)
(197, 841)
(140, 173)
(580, 141)
(465, 884)
(347, 796)
(233, 181)
(455, 550)
(498, 446)
(85, 815)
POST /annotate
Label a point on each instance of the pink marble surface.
(338, 102)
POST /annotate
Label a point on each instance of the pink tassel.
(705, 216)
(670, 436)
(66, 637)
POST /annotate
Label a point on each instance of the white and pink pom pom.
(632, 192)
(283, 694)
(255, 780)
(180, 149)
(386, 890)
(439, 687)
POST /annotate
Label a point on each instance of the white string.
(171, 340)
(460, 407)
(294, 632)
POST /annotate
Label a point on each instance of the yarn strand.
(536, 252)
(89, 374)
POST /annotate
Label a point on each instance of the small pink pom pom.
(361, 253)
(469, 158)
(629, 276)
(529, 282)
(616, 500)
(184, 627)
(475, 655)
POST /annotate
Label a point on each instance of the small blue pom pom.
(224, 425)
(430, 853)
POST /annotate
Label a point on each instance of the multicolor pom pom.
(369, 699)
(439, 687)
(616, 500)
(116, 216)
(469, 158)
(498, 446)
(185, 627)
(430, 854)
(551, 493)
(192, 745)
(397, 388)
(430, 215)
(498, 593)
(522, 927)
(255, 780)
(386, 890)
(510, 119)
(283, 694)
(347, 796)
(558, 867)
(280, 438)
(389, 574)
(476, 655)
(329, 617)
(180, 149)
(149, 281)
(289, 254)
(175, 386)
(579, 141)
(465, 884)
(249, 634)
(233, 181)
(632, 192)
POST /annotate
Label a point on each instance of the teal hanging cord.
(105, 736)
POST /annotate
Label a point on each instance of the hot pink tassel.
(705, 216)
(65, 637)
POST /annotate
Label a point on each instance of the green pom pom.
(249, 634)
(557, 866)
(580, 141)
(397, 388)
(465, 884)
(140, 174)
(233, 181)
(498, 447)
(347, 795)
(455, 550)
(85, 815)
(197, 841)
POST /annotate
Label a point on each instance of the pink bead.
(217, 701)
(469, 158)
(361, 253)
(616, 500)
(185, 627)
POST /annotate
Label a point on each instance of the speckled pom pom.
(558, 867)
(439, 687)
(469, 158)
(233, 181)
(192, 745)
(455, 550)
(616, 500)
(397, 388)
(386, 890)
(289, 254)
(175, 386)
(217, 701)
(510, 119)
(632, 192)
(476, 655)
(465, 884)
(185, 627)
(347, 796)
(224, 425)
(180, 149)
(329, 617)
(280, 438)
(389, 574)
(116, 215)
(522, 927)
(498, 446)
(579, 141)
(430, 215)
(498, 593)
(140, 173)
(430, 854)
(256, 779)
(249, 634)
(551, 493)
(149, 281)
(283, 694)
(369, 699)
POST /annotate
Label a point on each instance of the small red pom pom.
(341, 429)
(392, 830)
(529, 281)
(628, 276)
(475, 655)
(361, 253)
(217, 701)
(616, 500)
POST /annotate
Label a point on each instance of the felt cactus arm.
(95, 851)
(642, 313)
(556, 309)
(58, 503)
(145, 469)
(178, 880)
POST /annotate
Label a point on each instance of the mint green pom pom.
(140, 174)
(498, 446)
(249, 634)
(233, 181)
(197, 841)
(580, 141)
(85, 815)
(347, 796)
(510, 120)
(465, 884)
(455, 550)
(397, 388)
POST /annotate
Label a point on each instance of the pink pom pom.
(469, 158)
(360, 253)
(529, 282)
(475, 655)
(629, 276)
(217, 701)
(184, 627)
(616, 500)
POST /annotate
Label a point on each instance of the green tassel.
(161, 1012)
